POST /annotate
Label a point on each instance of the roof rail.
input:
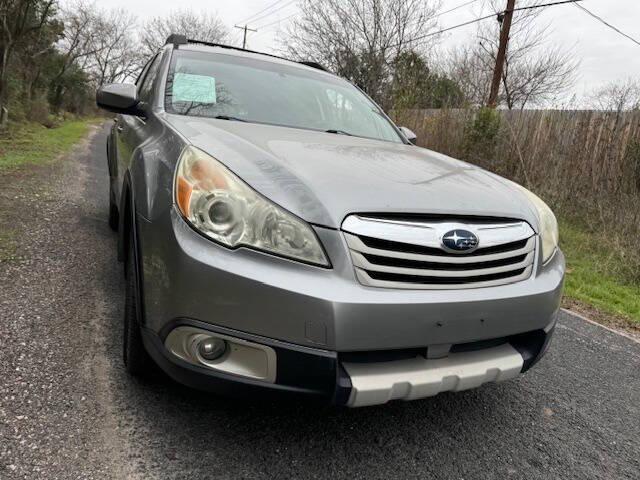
(315, 65)
(177, 40)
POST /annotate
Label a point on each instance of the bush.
(632, 159)
(481, 136)
(52, 121)
(38, 109)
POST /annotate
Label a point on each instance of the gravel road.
(68, 410)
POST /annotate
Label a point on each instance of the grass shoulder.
(32, 144)
(597, 276)
(28, 154)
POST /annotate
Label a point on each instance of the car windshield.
(247, 89)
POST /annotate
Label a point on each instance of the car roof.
(194, 45)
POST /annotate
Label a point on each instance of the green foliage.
(30, 32)
(40, 77)
(481, 135)
(364, 69)
(415, 86)
(32, 143)
(36, 88)
(407, 83)
(70, 89)
(445, 93)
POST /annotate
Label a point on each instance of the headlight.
(548, 225)
(224, 208)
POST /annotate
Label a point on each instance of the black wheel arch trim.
(532, 346)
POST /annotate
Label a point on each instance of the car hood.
(324, 177)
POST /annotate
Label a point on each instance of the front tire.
(113, 208)
(136, 359)
(113, 212)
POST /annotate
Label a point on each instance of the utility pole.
(505, 19)
(244, 38)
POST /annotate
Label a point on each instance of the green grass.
(593, 274)
(33, 144)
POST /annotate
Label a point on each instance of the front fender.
(147, 187)
(152, 170)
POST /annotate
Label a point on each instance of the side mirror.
(119, 98)
(409, 135)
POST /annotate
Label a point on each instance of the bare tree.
(359, 39)
(18, 19)
(618, 96)
(80, 41)
(473, 73)
(33, 59)
(201, 26)
(535, 71)
(116, 53)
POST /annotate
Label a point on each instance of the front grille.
(410, 255)
(409, 248)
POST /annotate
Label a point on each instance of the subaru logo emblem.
(460, 241)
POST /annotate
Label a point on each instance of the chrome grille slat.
(361, 262)
(428, 234)
(409, 255)
(357, 245)
(365, 279)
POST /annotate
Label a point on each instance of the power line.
(274, 11)
(600, 19)
(531, 7)
(440, 14)
(261, 11)
(480, 19)
(262, 27)
(460, 25)
(455, 8)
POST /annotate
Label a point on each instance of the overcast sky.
(605, 55)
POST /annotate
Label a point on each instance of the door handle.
(120, 128)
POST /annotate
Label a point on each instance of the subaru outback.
(281, 234)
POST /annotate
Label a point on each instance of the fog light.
(212, 348)
(222, 353)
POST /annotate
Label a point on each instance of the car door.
(131, 130)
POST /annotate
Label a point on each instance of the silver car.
(281, 235)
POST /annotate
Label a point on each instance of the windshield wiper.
(339, 132)
(227, 117)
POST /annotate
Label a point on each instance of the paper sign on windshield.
(188, 87)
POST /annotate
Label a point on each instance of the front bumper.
(187, 276)
(355, 381)
(334, 338)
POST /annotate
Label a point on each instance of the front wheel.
(136, 359)
(113, 208)
(113, 212)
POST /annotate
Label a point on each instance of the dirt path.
(56, 415)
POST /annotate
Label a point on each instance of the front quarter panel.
(153, 167)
